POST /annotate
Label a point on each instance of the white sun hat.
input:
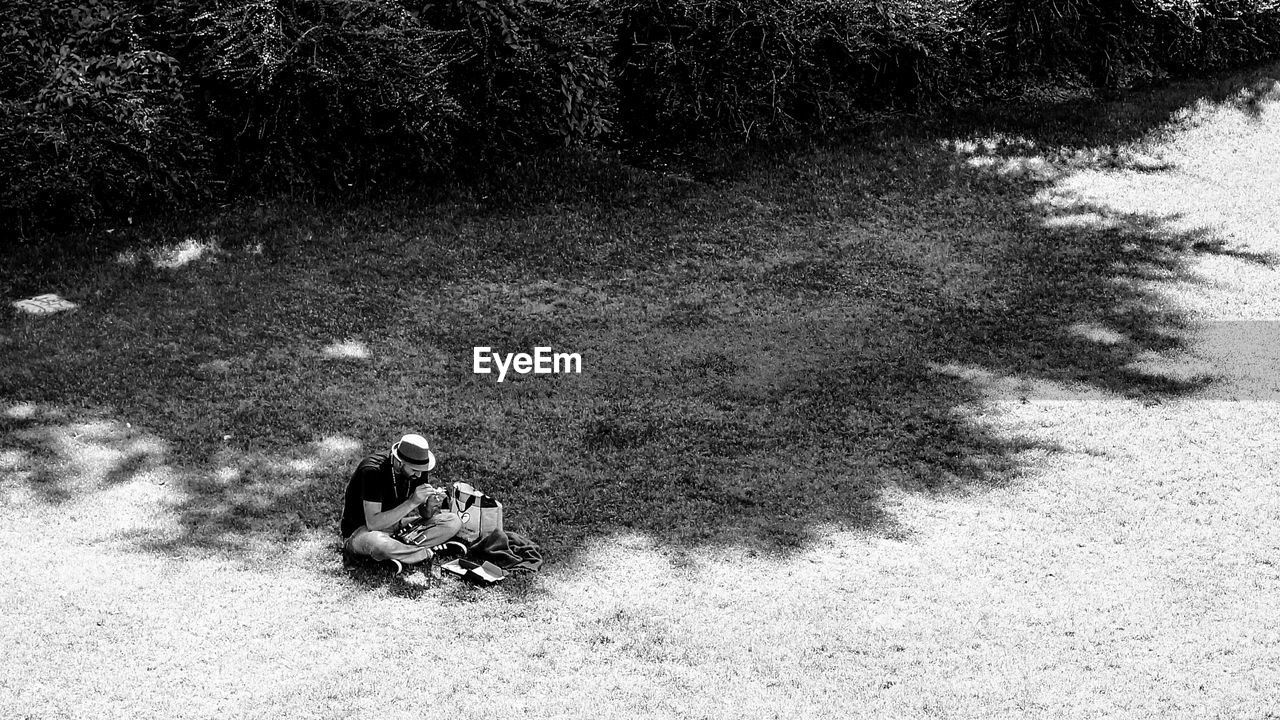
(413, 451)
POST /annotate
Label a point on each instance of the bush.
(337, 90)
(1113, 45)
(107, 105)
(530, 73)
(92, 118)
(348, 91)
(763, 68)
(1223, 33)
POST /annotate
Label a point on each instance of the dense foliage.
(300, 89)
(768, 67)
(108, 105)
(1113, 44)
(92, 116)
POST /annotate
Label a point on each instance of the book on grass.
(482, 572)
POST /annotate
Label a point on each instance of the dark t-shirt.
(373, 482)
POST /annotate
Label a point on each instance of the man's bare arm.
(375, 518)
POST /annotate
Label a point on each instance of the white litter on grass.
(46, 304)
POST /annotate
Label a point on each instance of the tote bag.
(480, 513)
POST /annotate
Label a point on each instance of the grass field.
(970, 417)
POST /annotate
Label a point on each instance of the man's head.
(413, 456)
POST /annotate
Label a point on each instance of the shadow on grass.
(765, 350)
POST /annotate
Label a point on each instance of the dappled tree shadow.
(767, 348)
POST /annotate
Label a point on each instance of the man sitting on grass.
(388, 491)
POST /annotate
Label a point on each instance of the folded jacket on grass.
(507, 550)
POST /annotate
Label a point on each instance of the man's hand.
(433, 503)
(422, 493)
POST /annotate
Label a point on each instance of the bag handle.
(473, 497)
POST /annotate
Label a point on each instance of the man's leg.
(440, 527)
(381, 546)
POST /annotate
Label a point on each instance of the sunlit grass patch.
(171, 256)
(22, 411)
(1098, 334)
(1203, 180)
(350, 349)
